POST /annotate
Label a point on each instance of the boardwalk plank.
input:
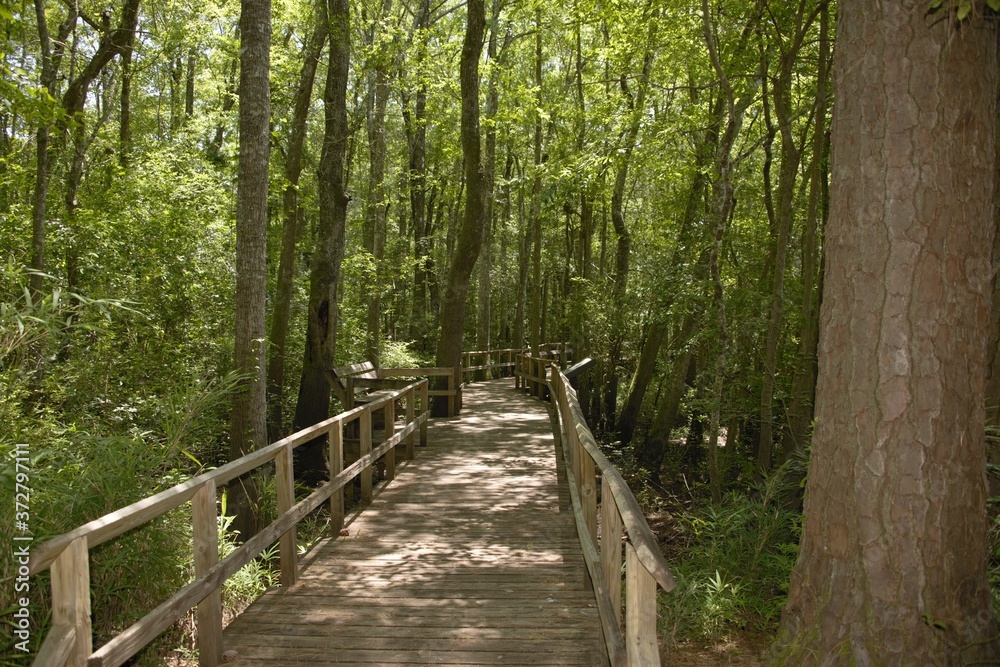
(469, 557)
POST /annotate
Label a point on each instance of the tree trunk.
(449, 350)
(375, 211)
(125, 112)
(644, 371)
(416, 132)
(248, 425)
(892, 562)
(535, 323)
(791, 156)
(278, 339)
(624, 248)
(189, 85)
(42, 158)
(800, 411)
(722, 208)
(313, 403)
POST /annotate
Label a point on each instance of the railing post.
(424, 407)
(205, 526)
(640, 612)
(366, 448)
(452, 392)
(288, 548)
(611, 547)
(71, 598)
(335, 443)
(390, 428)
(410, 412)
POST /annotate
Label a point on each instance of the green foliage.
(962, 8)
(733, 566)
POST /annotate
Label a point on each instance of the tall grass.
(735, 564)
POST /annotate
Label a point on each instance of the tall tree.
(416, 135)
(791, 155)
(278, 340)
(376, 206)
(248, 424)
(892, 560)
(321, 331)
(470, 239)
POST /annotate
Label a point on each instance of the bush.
(735, 564)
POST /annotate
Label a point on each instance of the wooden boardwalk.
(469, 557)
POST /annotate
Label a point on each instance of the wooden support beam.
(71, 599)
(410, 413)
(335, 443)
(288, 549)
(611, 547)
(424, 407)
(205, 526)
(390, 428)
(640, 612)
(366, 448)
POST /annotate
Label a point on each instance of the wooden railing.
(530, 372)
(630, 638)
(489, 363)
(69, 640)
(452, 391)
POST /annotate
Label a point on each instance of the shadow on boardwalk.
(469, 557)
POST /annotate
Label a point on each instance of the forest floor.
(739, 648)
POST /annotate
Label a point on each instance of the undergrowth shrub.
(735, 564)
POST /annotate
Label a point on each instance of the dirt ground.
(739, 651)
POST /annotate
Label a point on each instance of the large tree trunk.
(290, 224)
(248, 424)
(313, 403)
(892, 566)
(449, 350)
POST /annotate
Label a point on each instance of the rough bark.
(278, 340)
(313, 403)
(892, 565)
(248, 423)
(469, 242)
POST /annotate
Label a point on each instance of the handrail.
(645, 567)
(505, 361)
(69, 641)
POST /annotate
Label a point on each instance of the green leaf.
(994, 5)
(964, 8)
